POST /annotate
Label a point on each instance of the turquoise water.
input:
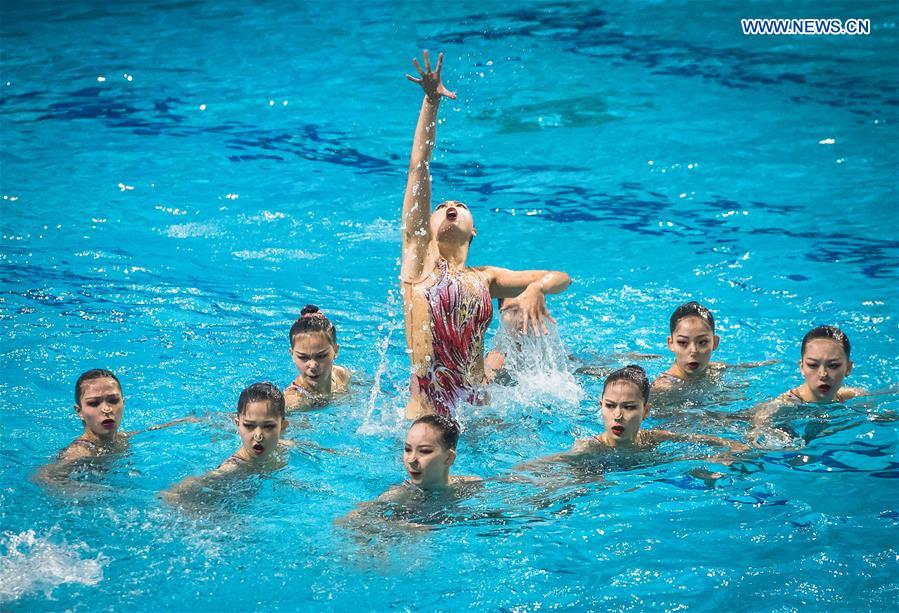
(650, 150)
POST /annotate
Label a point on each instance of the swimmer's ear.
(450, 457)
(848, 367)
(336, 350)
(284, 424)
(646, 408)
(670, 341)
(78, 409)
(715, 342)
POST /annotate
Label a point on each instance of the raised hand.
(430, 80)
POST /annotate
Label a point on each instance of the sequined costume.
(460, 312)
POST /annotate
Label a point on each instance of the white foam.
(540, 366)
(30, 564)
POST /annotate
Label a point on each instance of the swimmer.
(624, 406)
(100, 404)
(824, 363)
(692, 342)
(261, 419)
(313, 349)
(447, 304)
(428, 455)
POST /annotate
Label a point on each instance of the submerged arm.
(417, 200)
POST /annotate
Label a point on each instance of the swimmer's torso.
(447, 316)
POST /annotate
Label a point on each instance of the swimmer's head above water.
(452, 223)
(824, 363)
(624, 405)
(692, 340)
(430, 451)
(99, 403)
(313, 347)
(261, 417)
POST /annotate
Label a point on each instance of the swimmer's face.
(313, 354)
(692, 343)
(824, 365)
(452, 221)
(101, 406)
(623, 411)
(260, 427)
(425, 458)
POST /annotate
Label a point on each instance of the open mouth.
(693, 365)
(823, 388)
(109, 424)
(258, 449)
(452, 214)
(617, 430)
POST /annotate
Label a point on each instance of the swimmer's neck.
(807, 396)
(101, 441)
(455, 254)
(638, 442)
(323, 387)
(683, 375)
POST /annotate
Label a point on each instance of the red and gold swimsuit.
(461, 310)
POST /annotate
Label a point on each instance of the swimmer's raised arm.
(526, 290)
(417, 201)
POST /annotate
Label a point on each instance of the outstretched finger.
(536, 324)
(439, 62)
(427, 61)
(418, 66)
(445, 92)
(413, 79)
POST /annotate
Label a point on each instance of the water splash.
(30, 564)
(539, 367)
(380, 417)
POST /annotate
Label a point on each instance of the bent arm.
(505, 283)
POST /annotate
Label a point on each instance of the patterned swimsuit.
(461, 310)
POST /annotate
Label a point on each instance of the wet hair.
(90, 375)
(631, 374)
(259, 392)
(691, 309)
(313, 320)
(447, 426)
(830, 332)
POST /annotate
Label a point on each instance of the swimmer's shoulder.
(458, 479)
(651, 438)
(297, 398)
(342, 376)
(666, 381)
(78, 449)
(846, 393)
(588, 445)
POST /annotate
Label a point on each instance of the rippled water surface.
(180, 178)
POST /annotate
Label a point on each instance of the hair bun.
(310, 308)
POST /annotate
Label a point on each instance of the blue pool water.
(180, 177)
